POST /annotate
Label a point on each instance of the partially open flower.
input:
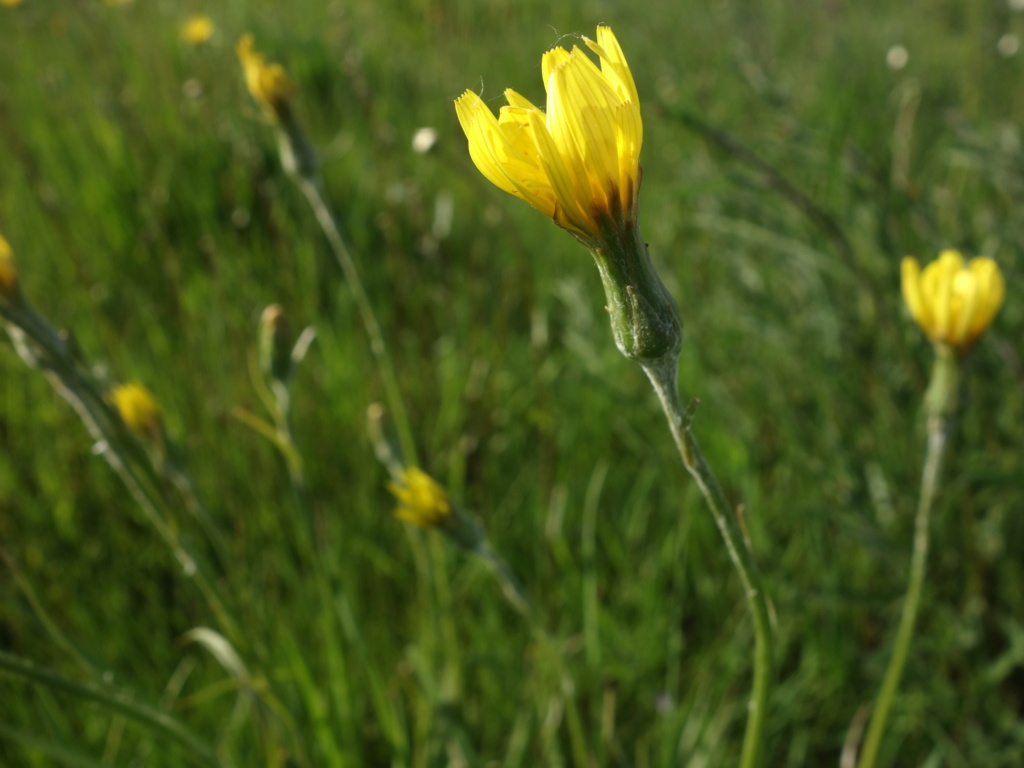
(953, 301)
(422, 501)
(138, 409)
(272, 89)
(267, 83)
(577, 161)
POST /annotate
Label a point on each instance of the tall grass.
(786, 171)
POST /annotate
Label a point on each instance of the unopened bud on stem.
(275, 344)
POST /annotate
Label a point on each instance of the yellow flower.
(197, 29)
(10, 3)
(137, 407)
(953, 302)
(421, 500)
(8, 272)
(267, 83)
(577, 161)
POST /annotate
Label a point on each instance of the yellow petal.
(550, 60)
(963, 307)
(938, 286)
(505, 153)
(613, 63)
(911, 285)
(991, 289)
(517, 100)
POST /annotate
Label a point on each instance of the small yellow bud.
(953, 302)
(267, 83)
(8, 272)
(421, 500)
(138, 409)
(197, 29)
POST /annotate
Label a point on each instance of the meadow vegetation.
(787, 170)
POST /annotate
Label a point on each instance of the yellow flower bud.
(138, 409)
(8, 272)
(953, 301)
(197, 29)
(421, 500)
(267, 83)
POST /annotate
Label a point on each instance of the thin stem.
(41, 614)
(510, 586)
(55, 357)
(313, 190)
(938, 432)
(663, 377)
(115, 701)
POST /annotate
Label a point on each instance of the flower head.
(953, 302)
(8, 272)
(421, 500)
(137, 407)
(197, 29)
(267, 83)
(578, 160)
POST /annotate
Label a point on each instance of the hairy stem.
(662, 374)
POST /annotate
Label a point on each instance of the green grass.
(156, 225)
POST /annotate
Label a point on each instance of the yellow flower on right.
(952, 300)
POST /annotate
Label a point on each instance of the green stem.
(938, 429)
(662, 374)
(447, 633)
(313, 190)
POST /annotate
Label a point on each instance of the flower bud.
(422, 501)
(138, 409)
(9, 288)
(275, 344)
(197, 29)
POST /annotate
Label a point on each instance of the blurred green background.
(788, 166)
